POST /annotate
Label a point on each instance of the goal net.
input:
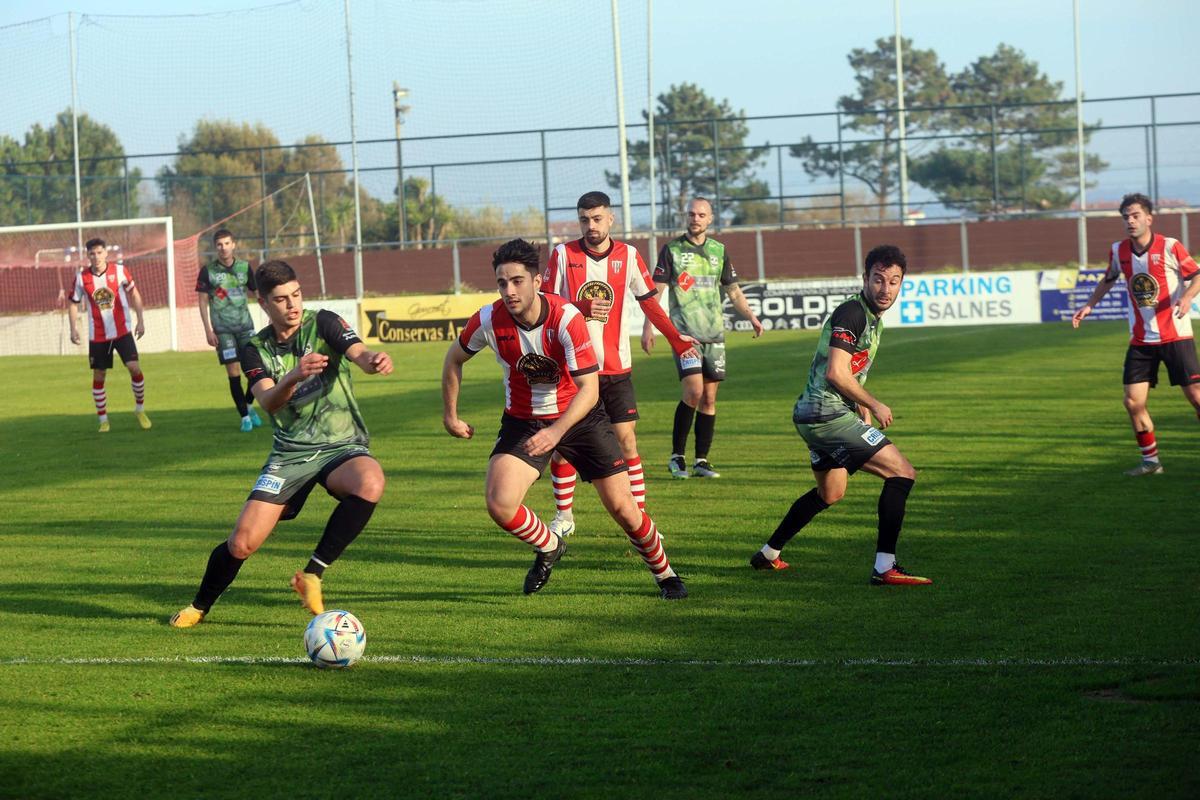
(38, 265)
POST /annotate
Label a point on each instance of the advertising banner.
(791, 305)
(981, 298)
(418, 318)
(1064, 290)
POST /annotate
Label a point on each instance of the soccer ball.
(335, 639)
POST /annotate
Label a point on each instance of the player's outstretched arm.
(739, 302)
(456, 356)
(135, 300)
(655, 316)
(840, 377)
(372, 362)
(1098, 293)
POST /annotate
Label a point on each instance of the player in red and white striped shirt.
(596, 274)
(1155, 268)
(109, 293)
(550, 392)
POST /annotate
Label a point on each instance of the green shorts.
(229, 345)
(287, 478)
(711, 363)
(845, 442)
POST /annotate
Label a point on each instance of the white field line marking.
(626, 662)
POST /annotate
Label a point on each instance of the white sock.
(567, 514)
(102, 417)
(139, 408)
(884, 562)
(770, 552)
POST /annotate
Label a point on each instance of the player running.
(108, 291)
(1160, 331)
(833, 416)
(224, 287)
(551, 390)
(593, 273)
(299, 370)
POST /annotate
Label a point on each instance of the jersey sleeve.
(665, 265)
(1187, 265)
(640, 283)
(335, 330)
(77, 289)
(203, 282)
(127, 278)
(554, 275)
(1114, 267)
(252, 365)
(250, 284)
(728, 273)
(577, 343)
(473, 338)
(846, 326)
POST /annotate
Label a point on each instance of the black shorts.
(590, 445)
(100, 354)
(616, 398)
(711, 363)
(1142, 360)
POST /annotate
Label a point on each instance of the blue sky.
(545, 63)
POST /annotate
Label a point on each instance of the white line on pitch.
(626, 662)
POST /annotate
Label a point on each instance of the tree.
(40, 181)
(490, 222)
(693, 136)
(872, 156)
(1016, 145)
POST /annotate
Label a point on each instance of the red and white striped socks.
(526, 526)
(138, 384)
(564, 477)
(649, 544)
(100, 398)
(1148, 445)
(637, 481)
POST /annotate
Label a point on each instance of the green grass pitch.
(1055, 656)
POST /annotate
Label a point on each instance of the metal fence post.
(716, 132)
(779, 167)
(995, 166)
(1149, 161)
(125, 178)
(964, 248)
(546, 192)
(758, 251)
(1183, 236)
(457, 267)
(858, 256)
(1154, 139)
(262, 185)
(841, 171)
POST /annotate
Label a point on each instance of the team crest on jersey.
(616, 266)
(1144, 289)
(595, 290)
(103, 298)
(538, 369)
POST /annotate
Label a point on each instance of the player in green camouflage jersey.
(224, 286)
(299, 371)
(833, 416)
(695, 267)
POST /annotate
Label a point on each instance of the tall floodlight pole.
(900, 105)
(397, 95)
(653, 251)
(358, 269)
(1083, 254)
(623, 153)
(75, 132)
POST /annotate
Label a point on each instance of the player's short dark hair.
(271, 274)
(1140, 199)
(222, 234)
(594, 200)
(885, 255)
(94, 242)
(518, 251)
